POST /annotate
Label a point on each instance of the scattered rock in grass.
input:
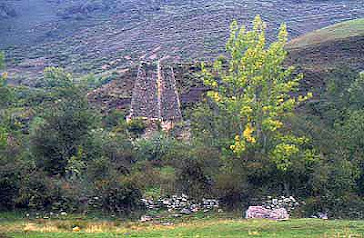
(186, 211)
(167, 224)
(323, 216)
(146, 218)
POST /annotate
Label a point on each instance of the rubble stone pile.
(288, 203)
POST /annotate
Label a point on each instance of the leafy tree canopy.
(255, 91)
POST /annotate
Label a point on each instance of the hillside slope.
(101, 36)
(337, 32)
(315, 54)
(337, 46)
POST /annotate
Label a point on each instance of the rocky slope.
(321, 51)
(315, 54)
(104, 36)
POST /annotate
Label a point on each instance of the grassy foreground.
(194, 228)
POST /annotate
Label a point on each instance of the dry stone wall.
(170, 99)
(144, 102)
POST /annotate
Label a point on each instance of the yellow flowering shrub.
(248, 134)
(239, 145)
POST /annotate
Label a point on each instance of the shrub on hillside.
(36, 191)
(118, 195)
(10, 173)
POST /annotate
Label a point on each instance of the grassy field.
(216, 227)
(335, 32)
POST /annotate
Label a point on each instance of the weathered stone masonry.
(155, 96)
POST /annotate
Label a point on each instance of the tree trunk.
(286, 188)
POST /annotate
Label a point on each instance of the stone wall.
(155, 95)
(144, 102)
(171, 107)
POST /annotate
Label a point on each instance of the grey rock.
(186, 211)
(146, 218)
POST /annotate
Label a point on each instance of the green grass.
(216, 227)
(331, 33)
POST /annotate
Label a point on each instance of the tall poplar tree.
(4, 97)
(255, 90)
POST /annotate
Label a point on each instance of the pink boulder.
(262, 212)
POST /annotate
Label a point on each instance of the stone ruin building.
(155, 97)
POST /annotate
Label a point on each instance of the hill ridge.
(339, 31)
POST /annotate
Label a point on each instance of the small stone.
(146, 218)
(323, 216)
(195, 209)
(185, 211)
(167, 224)
(166, 202)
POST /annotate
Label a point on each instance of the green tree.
(2, 60)
(5, 98)
(57, 136)
(255, 93)
(5, 94)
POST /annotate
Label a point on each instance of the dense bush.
(36, 192)
(239, 145)
(119, 195)
(10, 174)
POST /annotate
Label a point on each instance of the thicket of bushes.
(59, 153)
